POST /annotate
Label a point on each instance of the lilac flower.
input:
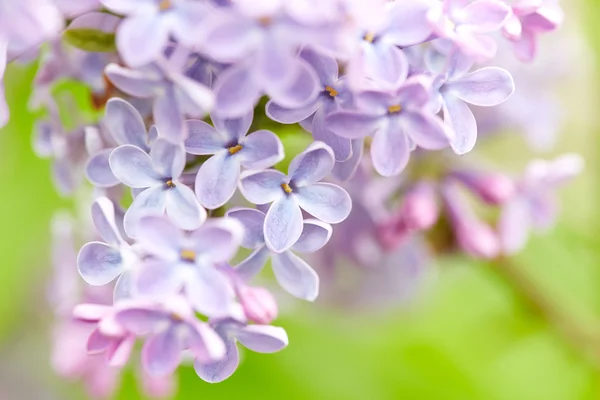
(301, 189)
(218, 176)
(189, 261)
(291, 272)
(158, 175)
(259, 338)
(71, 8)
(467, 23)
(474, 236)
(485, 87)
(528, 20)
(262, 44)
(145, 32)
(99, 263)
(171, 330)
(334, 96)
(397, 120)
(377, 57)
(535, 204)
(125, 126)
(174, 95)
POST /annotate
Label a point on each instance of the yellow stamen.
(369, 37)
(164, 5)
(332, 92)
(265, 21)
(286, 188)
(188, 255)
(395, 109)
(170, 184)
(235, 149)
(176, 317)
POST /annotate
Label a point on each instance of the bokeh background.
(472, 332)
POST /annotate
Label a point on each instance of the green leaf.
(93, 40)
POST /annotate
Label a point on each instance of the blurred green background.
(471, 335)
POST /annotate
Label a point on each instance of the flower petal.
(514, 226)
(253, 264)
(312, 165)
(125, 123)
(203, 139)
(290, 115)
(220, 370)
(261, 149)
(140, 321)
(218, 240)
(315, 235)
(283, 224)
(206, 345)
(132, 166)
(236, 92)
(98, 172)
(161, 354)
(409, 23)
(325, 201)
(217, 180)
(263, 338)
(488, 86)
(325, 66)
(209, 292)
(183, 207)
(295, 276)
(341, 146)
(103, 216)
(168, 159)
(303, 90)
(168, 116)
(462, 121)
(193, 98)
(141, 38)
(160, 237)
(233, 128)
(158, 280)
(485, 15)
(390, 149)
(253, 221)
(262, 187)
(352, 124)
(426, 130)
(346, 169)
(133, 82)
(99, 263)
(152, 201)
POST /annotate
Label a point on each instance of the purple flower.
(397, 119)
(259, 338)
(125, 126)
(334, 96)
(174, 95)
(72, 8)
(528, 20)
(484, 87)
(291, 272)
(158, 175)
(189, 262)
(218, 176)
(170, 330)
(301, 189)
(378, 59)
(144, 34)
(262, 43)
(535, 205)
(467, 23)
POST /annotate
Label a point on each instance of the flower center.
(170, 184)
(396, 108)
(235, 149)
(176, 317)
(265, 21)
(188, 255)
(286, 188)
(369, 37)
(164, 5)
(332, 92)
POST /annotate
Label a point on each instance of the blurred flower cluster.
(190, 200)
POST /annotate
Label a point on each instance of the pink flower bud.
(419, 211)
(494, 188)
(259, 304)
(478, 239)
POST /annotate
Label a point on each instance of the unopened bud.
(494, 188)
(478, 239)
(259, 304)
(419, 211)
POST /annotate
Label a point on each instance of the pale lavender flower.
(258, 338)
(473, 236)
(158, 175)
(99, 263)
(467, 24)
(485, 87)
(124, 125)
(397, 119)
(291, 272)
(144, 34)
(189, 262)
(535, 205)
(170, 329)
(262, 43)
(334, 96)
(218, 176)
(529, 19)
(71, 8)
(300, 189)
(174, 95)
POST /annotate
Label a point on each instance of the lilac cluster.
(182, 129)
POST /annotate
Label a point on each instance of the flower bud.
(494, 188)
(419, 211)
(259, 304)
(478, 239)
